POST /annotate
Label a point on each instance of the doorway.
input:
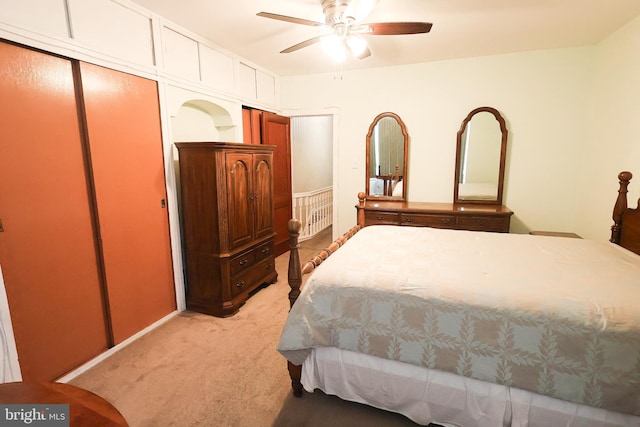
(312, 153)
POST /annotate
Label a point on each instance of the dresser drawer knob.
(446, 220)
(244, 261)
(379, 218)
(481, 221)
(240, 284)
(265, 251)
(269, 266)
(410, 219)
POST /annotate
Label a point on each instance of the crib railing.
(314, 209)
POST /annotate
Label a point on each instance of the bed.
(463, 328)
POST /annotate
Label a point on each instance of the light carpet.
(197, 370)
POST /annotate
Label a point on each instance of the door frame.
(334, 112)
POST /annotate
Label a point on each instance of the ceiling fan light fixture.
(342, 18)
(335, 47)
(358, 45)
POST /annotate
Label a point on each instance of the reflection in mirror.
(480, 158)
(387, 142)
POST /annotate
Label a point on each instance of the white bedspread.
(556, 316)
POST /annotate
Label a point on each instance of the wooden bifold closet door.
(124, 135)
(84, 243)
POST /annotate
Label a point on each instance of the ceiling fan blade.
(291, 19)
(302, 44)
(396, 28)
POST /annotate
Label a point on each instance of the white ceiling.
(461, 28)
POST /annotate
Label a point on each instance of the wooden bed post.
(295, 273)
(361, 201)
(620, 206)
(295, 280)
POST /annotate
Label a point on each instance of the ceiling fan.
(343, 18)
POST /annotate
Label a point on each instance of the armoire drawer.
(264, 250)
(253, 277)
(483, 223)
(381, 218)
(422, 220)
(243, 261)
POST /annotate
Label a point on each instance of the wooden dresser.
(475, 217)
(227, 223)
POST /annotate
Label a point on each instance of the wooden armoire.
(227, 219)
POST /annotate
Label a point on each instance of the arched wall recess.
(225, 116)
(193, 124)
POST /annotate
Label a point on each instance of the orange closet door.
(124, 134)
(276, 131)
(47, 250)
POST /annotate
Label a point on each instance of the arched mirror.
(480, 158)
(387, 154)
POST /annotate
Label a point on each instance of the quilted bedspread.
(556, 316)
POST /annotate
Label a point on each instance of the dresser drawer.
(483, 223)
(253, 277)
(243, 261)
(428, 220)
(381, 218)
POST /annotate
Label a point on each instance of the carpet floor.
(201, 371)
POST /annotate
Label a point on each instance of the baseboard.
(93, 362)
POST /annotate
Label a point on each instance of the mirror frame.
(406, 157)
(503, 155)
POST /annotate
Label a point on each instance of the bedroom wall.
(543, 95)
(571, 114)
(614, 142)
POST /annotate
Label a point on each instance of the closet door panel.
(124, 133)
(47, 248)
(275, 131)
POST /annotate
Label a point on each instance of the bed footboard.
(294, 278)
(626, 221)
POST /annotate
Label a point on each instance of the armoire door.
(124, 135)
(263, 195)
(276, 131)
(47, 240)
(239, 197)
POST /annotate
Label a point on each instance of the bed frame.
(625, 232)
